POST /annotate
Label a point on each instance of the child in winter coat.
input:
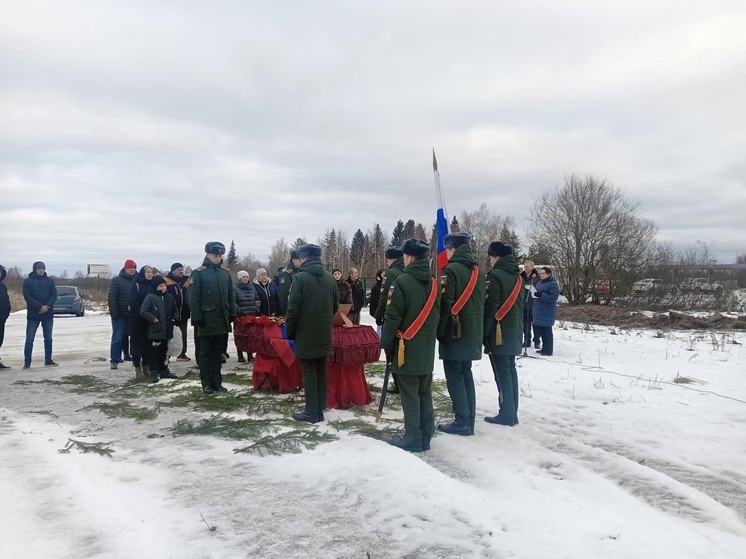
(159, 309)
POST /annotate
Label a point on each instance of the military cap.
(500, 248)
(294, 253)
(214, 247)
(309, 251)
(416, 248)
(393, 252)
(455, 240)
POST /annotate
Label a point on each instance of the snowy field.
(612, 459)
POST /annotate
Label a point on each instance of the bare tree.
(595, 234)
(484, 226)
(278, 256)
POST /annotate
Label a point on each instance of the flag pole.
(441, 219)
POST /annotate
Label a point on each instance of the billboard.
(99, 269)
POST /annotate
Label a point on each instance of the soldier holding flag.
(460, 329)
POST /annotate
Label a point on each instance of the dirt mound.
(612, 316)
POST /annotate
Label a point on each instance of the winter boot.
(3, 366)
(241, 357)
(154, 376)
(139, 375)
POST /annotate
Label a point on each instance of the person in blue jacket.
(40, 294)
(545, 295)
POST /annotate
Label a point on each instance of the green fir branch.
(102, 449)
(288, 442)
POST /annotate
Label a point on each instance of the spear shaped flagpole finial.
(435, 161)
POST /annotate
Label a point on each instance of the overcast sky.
(144, 129)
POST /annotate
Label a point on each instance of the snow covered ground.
(612, 459)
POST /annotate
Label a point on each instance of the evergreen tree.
(408, 232)
(508, 234)
(357, 248)
(299, 242)
(419, 232)
(231, 259)
(329, 248)
(378, 242)
(454, 225)
(397, 234)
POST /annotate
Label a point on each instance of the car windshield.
(65, 290)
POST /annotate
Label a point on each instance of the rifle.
(494, 370)
(386, 375)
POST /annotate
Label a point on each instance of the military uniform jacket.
(283, 284)
(406, 298)
(453, 281)
(312, 304)
(500, 283)
(392, 273)
(211, 297)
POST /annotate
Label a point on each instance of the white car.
(648, 284)
(701, 285)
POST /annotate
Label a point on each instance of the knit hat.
(455, 240)
(416, 248)
(3, 273)
(176, 266)
(39, 264)
(260, 271)
(129, 263)
(215, 247)
(243, 274)
(393, 253)
(156, 281)
(499, 248)
(309, 251)
(294, 254)
(336, 270)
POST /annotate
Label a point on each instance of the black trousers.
(547, 339)
(2, 333)
(157, 359)
(184, 327)
(528, 318)
(210, 359)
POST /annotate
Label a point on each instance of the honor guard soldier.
(311, 307)
(460, 332)
(285, 279)
(212, 303)
(409, 329)
(503, 328)
(395, 263)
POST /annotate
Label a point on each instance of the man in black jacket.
(4, 310)
(40, 294)
(118, 298)
(530, 279)
(177, 284)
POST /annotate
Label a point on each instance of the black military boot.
(454, 429)
(307, 417)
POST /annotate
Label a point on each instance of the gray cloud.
(129, 129)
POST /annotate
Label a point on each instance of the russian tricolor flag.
(441, 219)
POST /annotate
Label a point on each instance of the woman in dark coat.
(138, 325)
(344, 291)
(545, 297)
(245, 304)
(375, 295)
(267, 294)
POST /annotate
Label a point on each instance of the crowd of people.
(501, 311)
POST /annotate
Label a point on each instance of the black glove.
(232, 319)
(536, 294)
(200, 322)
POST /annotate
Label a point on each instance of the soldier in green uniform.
(460, 329)
(312, 304)
(409, 330)
(503, 340)
(395, 263)
(285, 279)
(212, 303)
